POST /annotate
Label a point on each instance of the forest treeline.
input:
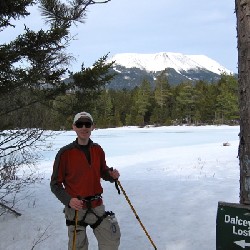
(186, 103)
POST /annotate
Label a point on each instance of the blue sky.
(152, 26)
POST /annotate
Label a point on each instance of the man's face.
(83, 128)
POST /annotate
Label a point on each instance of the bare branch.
(41, 238)
(10, 209)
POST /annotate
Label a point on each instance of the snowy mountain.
(132, 68)
(163, 60)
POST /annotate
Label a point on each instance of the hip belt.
(91, 201)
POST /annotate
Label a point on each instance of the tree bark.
(242, 8)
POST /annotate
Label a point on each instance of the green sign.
(232, 226)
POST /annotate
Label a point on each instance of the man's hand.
(114, 174)
(75, 203)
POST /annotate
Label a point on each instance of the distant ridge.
(160, 61)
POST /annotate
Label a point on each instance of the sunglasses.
(86, 124)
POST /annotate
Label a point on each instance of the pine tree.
(31, 70)
(162, 96)
(185, 102)
(143, 101)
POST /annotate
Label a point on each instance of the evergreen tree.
(227, 99)
(162, 96)
(31, 70)
(202, 98)
(185, 103)
(104, 110)
(88, 84)
(143, 102)
(123, 103)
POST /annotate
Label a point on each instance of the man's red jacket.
(74, 176)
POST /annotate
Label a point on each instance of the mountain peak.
(160, 61)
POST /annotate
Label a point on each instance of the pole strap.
(117, 187)
(118, 184)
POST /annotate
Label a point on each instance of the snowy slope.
(163, 60)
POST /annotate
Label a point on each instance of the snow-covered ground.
(174, 177)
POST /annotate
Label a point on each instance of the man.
(76, 182)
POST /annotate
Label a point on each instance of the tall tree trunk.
(242, 8)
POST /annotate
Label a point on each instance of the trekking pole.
(136, 215)
(74, 236)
